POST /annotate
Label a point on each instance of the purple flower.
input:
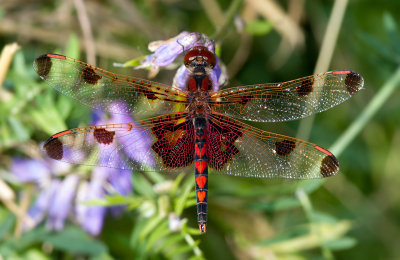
(37, 212)
(62, 202)
(30, 170)
(62, 198)
(91, 217)
(166, 52)
(136, 145)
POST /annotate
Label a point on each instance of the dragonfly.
(197, 127)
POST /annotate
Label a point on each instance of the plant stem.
(307, 206)
(233, 9)
(325, 55)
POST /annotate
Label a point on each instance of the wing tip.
(53, 148)
(329, 164)
(354, 82)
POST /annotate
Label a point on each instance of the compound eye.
(209, 57)
(200, 51)
(190, 56)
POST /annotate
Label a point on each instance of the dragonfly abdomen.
(201, 171)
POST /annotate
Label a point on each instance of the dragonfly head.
(199, 59)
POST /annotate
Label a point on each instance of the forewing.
(93, 86)
(288, 100)
(164, 143)
(239, 149)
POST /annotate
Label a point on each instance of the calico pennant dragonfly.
(199, 126)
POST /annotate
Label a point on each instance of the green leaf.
(49, 121)
(179, 250)
(149, 227)
(258, 27)
(309, 186)
(379, 47)
(46, 116)
(23, 242)
(160, 232)
(180, 202)
(295, 232)
(6, 225)
(323, 217)
(142, 186)
(114, 200)
(283, 203)
(72, 48)
(64, 106)
(19, 64)
(76, 241)
(176, 184)
(191, 202)
(35, 254)
(70, 239)
(171, 241)
(133, 62)
(155, 176)
(392, 31)
(341, 243)
(134, 240)
(20, 132)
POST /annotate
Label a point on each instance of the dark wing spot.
(245, 99)
(305, 88)
(329, 166)
(354, 82)
(90, 76)
(43, 65)
(53, 148)
(150, 94)
(103, 136)
(284, 147)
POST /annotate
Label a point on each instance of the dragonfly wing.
(93, 86)
(164, 143)
(239, 149)
(288, 100)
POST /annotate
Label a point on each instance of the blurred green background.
(354, 215)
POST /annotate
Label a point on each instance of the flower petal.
(38, 211)
(61, 204)
(30, 170)
(92, 217)
(137, 144)
(121, 181)
(165, 52)
(181, 77)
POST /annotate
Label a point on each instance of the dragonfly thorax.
(198, 103)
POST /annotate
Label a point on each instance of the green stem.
(376, 103)
(308, 209)
(325, 56)
(191, 242)
(233, 9)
